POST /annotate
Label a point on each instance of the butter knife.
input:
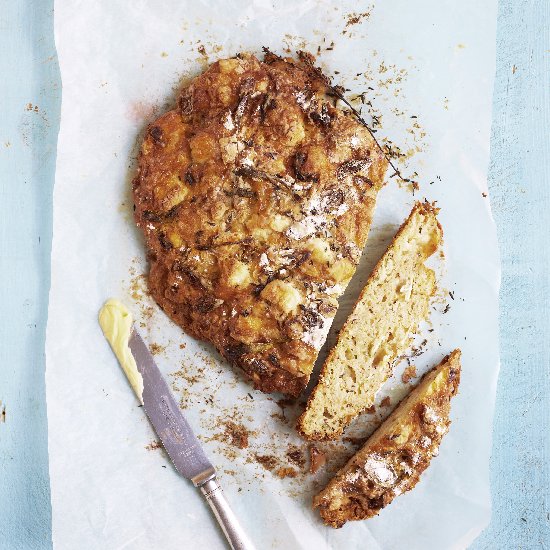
(181, 444)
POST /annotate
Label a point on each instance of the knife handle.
(234, 533)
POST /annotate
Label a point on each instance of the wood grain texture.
(29, 121)
(519, 177)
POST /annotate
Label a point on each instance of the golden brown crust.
(394, 457)
(256, 196)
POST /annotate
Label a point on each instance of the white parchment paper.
(121, 63)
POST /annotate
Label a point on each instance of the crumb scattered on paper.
(317, 459)
(154, 445)
(408, 374)
(236, 434)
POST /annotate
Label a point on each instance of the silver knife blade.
(176, 435)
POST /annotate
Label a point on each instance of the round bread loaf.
(255, 196)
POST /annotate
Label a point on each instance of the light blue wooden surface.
(28, 75)
(519, 181)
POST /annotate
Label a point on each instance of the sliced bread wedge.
(394, 457)
(380, 329)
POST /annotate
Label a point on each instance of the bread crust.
(255, 196)
(394, 457)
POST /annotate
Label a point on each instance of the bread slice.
(394, 457)
(394, 301)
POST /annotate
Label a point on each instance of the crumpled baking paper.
(121, 65)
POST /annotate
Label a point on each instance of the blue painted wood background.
(519, 180)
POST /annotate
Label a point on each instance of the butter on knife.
(116, 322)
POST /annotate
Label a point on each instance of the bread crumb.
(156, 349)
(408, 374)
(237, 435)
(317, 459)
(267, 461)
(286, 472)
(386, 402)
(296, 455)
